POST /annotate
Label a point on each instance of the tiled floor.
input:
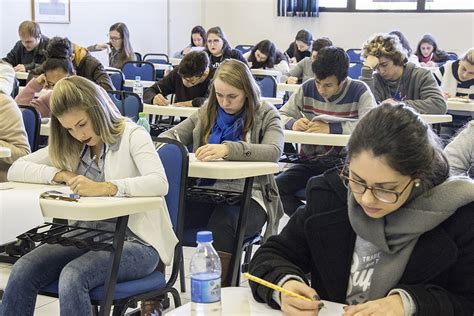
(47, 306)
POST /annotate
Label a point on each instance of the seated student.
(389, 234)
(189, 82)
(88, 141)
(28, 52)
(119, 48)
(300, 48)
(264, 55)
(198, 42)
(331, 92)
(219, 49)
(234, 124)
(397, 80)
(12, 130)
(460, 152)
(84, 64)
(428, 53)
(456, 79)
(404, 41)
(303, 70)
(54, 70)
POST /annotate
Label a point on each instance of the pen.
(274, 287)
(89, 165)
(303, 115)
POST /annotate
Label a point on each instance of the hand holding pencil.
(296, 297)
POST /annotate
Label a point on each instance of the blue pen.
(89, 165)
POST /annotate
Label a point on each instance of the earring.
(417, 183)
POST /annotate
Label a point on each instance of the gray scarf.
(397, 233)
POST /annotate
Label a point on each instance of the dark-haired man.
(331, 93)
(28, 52)
(189, 82)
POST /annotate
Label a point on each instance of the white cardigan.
(135, 168)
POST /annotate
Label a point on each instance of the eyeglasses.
(114, 39)
(357, 187)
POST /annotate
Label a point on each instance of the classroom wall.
(258, 21)
(155, 25)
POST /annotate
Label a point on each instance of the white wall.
(184, 15)
(90, 22)
(258, 20)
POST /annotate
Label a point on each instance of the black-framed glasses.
(357, 187)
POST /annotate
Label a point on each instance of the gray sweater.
(302, 70)
(417, 85)
(266, 144)
(460, 152)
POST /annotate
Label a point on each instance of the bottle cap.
(141, 114)
(138, 78)
(204, 236)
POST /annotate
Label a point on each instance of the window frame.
(420, 8)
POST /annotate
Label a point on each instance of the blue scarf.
(227, 127)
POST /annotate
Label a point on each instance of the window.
(449, 5)
(386, 4)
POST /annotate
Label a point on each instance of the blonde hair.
(80, 94)
(469, 56)
(385, 45)
(237, 74)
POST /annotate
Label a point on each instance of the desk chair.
(452, 56)
(244, 48)
(354, 70)
(354, 55)
(144, 69)
(32, 122)
(138, 56)
(267, 84)
(128, 103)
(157, 58)
(174, 158)
(16, 88)
(117, 77)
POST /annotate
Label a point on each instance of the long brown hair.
(79, 93)
(126, 52)
(237, 74)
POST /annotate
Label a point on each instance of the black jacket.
(19, 55)
(320, 240)
(173, 84)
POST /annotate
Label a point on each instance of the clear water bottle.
(143, 121)
(138, 87)
(205, 277)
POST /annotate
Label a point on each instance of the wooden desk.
(436, 118)
(38, 94)
(224, 170)
(287, 87)
(44, 129)
(266, 72)
(460, 106)
(169, 110)
(5, 152)
(21, 75)
(129, 83)
(163, 67)
(239, 301)
(174, 61)
(315, 138)
(92, 209)
(275, 101)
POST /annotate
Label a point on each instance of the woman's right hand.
(292, 80)
(41, 80)
(301, 125)
(296, 306)
(64, 176)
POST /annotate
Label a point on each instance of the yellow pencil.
(274, 287)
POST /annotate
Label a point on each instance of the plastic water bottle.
(138, 87)
(205, 277)
(142, 121)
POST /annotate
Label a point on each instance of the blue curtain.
(300, 8)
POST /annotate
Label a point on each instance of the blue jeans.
(78, 271)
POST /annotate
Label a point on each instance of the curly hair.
(385, 45)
